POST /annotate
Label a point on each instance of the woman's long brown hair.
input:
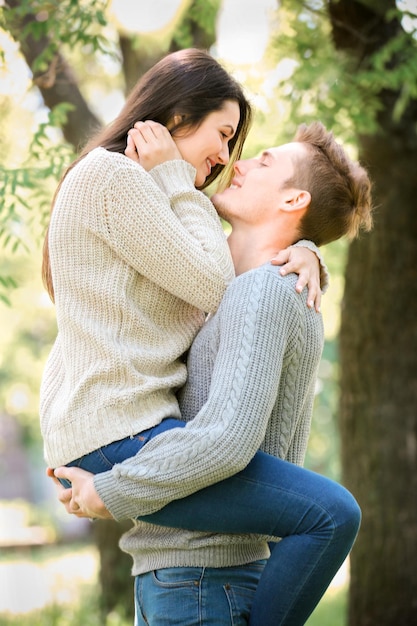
(189, 84)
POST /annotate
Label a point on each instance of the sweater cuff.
(174, 177)
(324, 273)
(120, 506)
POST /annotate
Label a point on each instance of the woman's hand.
(81, 500)
(150, 144)
(305, 263)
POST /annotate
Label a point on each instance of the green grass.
(331, 611)
(85, 614)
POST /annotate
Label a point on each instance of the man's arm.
(257, 316)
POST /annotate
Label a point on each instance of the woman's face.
(208, 144)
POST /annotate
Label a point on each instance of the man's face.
(258, 185)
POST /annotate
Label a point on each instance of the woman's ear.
(177, 119)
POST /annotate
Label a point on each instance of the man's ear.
(296, 200)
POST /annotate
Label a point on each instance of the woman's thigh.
(270, 496)
(103, 459)
(190, 596)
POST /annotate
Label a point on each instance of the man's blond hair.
(340, 188)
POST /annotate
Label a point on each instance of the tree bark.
(115, 577)
(378, 347)
(58, 84)
(136, 60)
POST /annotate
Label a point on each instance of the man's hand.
(305, 263)
(81, 500)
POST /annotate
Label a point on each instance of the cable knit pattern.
(257, 391)
(136, 257)
(290, 390)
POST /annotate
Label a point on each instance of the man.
(252, 372)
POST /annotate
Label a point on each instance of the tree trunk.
(378, 346)
(58, 84)
(115, 578)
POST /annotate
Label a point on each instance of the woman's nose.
(224, 155)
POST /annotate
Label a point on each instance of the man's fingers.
(64, 472)
(65, 496)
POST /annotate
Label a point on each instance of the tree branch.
(58, 84)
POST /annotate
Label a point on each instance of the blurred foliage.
(29, 172)
(65, 23)
(322, 83)
(25, 191)
(30, 324)
(201, 13)
(22, 522)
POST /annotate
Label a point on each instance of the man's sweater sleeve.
(171, 235)
(257, 315)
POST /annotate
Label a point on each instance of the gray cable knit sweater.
(251, 378)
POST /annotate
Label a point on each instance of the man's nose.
(243, 166)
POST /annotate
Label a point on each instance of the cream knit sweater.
(136, 258)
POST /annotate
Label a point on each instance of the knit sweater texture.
(251, 378)
(136, 259)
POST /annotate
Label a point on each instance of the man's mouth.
(234, 184)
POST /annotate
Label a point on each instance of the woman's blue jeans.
(316, 518)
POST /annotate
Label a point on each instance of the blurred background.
(65, 69)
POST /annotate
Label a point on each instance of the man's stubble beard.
(220, 206)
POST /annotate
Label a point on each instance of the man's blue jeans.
(197, 596)
(316, 518)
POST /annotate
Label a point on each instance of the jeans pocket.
(168, 596)
(240, 599)
(240, 590)
(177, 577)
